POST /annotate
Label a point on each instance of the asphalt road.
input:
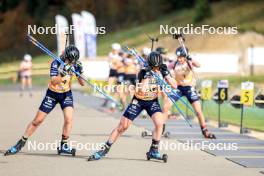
(127, 156)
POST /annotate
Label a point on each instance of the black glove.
(189, 58)
(79, 67)
(148, 70)
(164, 70)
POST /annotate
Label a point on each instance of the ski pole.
(173, 100)
(153, 40)
(43, 48)
(134, 53)
(181, 40)
(162, 83)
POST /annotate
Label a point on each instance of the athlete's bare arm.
(81, 81)
(167, 76)
(55, 80)
(171, 81)
(195, 63)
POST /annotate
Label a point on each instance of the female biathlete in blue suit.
(59, 91)
(145, 98)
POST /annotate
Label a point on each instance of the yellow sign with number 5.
(247, 93)
(206, 92)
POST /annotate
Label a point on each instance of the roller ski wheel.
(207, 134)
(104, 103)
(165, 158)
(71, 152)
(144, 134)
(157, 156)
(99, 154)
(15, 149)
(66, 150)
(210, 136)
(167, 134)
(143, 116)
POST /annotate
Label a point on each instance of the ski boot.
(207, 134)
(64, 148)
(16, 148)
(99, 154)
(154, 154)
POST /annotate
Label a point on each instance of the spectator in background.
(25, 72)
(114, 60)
(145, 52)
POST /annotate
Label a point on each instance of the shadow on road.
(132, 159)
(78, 156)
(45, 155)
(53, 155)
(100, 135)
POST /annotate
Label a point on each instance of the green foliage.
(37, 9)
(126, 21)
(8, 4)
(202, 10)
(180, 4)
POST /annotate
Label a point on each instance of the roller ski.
(104, 103)
(65, 149)
(164, 134)
(207, 134)
(16, 148)
(146, 134)
(99, 154)
(154, 154)
(144, 115)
